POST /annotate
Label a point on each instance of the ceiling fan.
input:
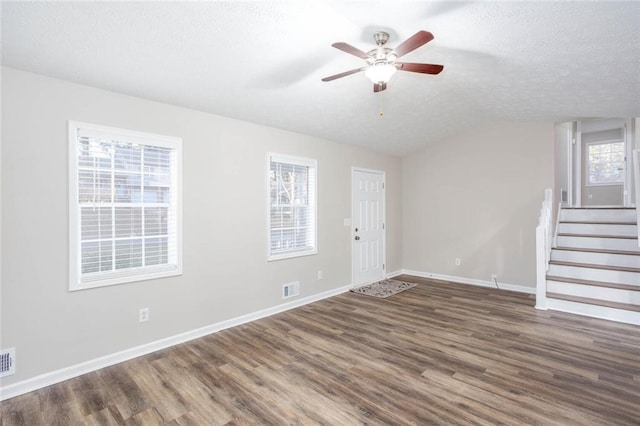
(382, 61)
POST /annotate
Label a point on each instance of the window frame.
(588, 163)
(313, 205)
(80, 281)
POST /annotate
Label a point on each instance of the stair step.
(599, 208)
(595, 266)
(569, 280)
(604, 294)
(595, 250)
(595, 242)
(615, 229)
(594, 273)
(598, 214)
(596, 222)
(623, 237)
(594, 311)
(596, 257)
(609, 304)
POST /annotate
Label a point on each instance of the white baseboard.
(471, 281)
(70, 372)
(394, 273)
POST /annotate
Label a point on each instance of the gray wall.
(225, 269)
(477, 196)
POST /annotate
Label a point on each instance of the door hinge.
(382, 185)
(383, 266)
(383, 225)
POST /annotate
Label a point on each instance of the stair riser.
(595, 311)
(593, 292)
(598, 215)
(592, 274)
(599, 243)
(627, 260)
(598, 229)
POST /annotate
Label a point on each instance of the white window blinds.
(606, 163)
(292, 206)
(125, 206)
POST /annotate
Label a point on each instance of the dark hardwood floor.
(438, 353)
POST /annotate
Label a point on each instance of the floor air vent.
(291, 289)
(7, 362)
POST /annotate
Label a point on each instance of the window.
(125, 206)
(605, 163)
(292, 207)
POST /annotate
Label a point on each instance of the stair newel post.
(544, 238)
(636, 169)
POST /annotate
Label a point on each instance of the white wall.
(477, 196)
(225, 269)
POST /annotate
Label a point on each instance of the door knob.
(357, 237)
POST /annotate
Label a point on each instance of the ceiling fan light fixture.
(380, 72)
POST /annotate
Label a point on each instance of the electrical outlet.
(458, 262)
(144, 314)
(319, 275)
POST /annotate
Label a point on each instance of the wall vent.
(291, 289)
(7, 362)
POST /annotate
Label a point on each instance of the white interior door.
(368, 236)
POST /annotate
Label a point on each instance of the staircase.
(594, 268)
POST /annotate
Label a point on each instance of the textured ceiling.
(263, 61)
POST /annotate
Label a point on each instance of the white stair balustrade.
(544, 240)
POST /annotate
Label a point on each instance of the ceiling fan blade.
(345, 47)
(413, 42)
(379, 87)
(421, 68)
(343, 74)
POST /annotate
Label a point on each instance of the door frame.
(577, 157)
(352, 234)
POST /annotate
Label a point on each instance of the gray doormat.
(384, 288)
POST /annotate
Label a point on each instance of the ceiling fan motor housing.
(381, 38)
(381, 55)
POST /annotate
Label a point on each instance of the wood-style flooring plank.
(438, 353)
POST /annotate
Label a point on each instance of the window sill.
(290, 255)
(124, 279)
(589, 185)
